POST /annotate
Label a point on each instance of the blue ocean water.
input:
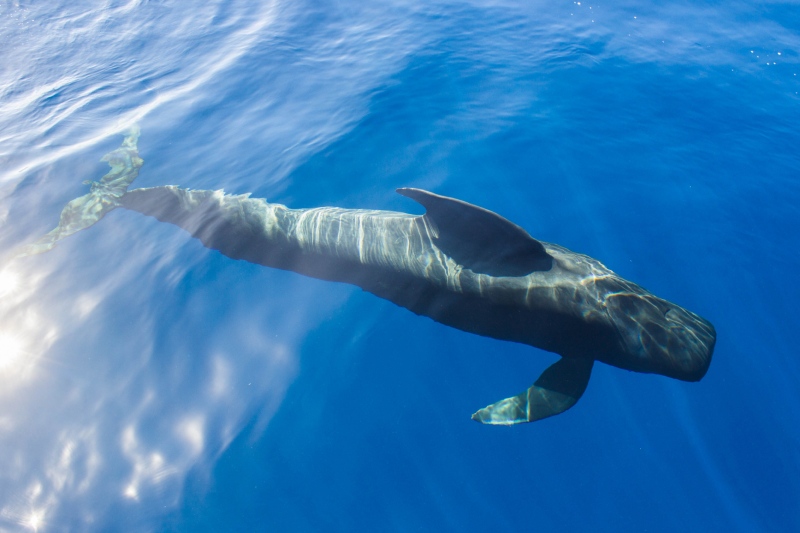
(149, 384)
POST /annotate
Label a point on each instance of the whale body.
(458, 264)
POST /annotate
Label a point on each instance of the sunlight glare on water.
(11, 349)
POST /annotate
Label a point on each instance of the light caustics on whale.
(458, 264)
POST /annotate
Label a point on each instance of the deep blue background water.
(149, 384)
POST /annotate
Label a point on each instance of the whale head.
(660, 337)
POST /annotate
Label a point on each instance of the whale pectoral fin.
(558, 388)
(479, 239)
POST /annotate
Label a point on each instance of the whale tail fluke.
(102, 198)
(558, 388)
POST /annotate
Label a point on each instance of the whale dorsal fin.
(479, 239)
(558, 388)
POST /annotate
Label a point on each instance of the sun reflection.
(10, 350)
(131, 492)
(25, 334)
(9, 282)
(192, 432)
(35, 520)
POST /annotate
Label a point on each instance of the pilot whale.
(458, 264)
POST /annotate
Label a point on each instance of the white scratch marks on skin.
(361, 244)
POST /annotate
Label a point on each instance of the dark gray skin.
(459, 264)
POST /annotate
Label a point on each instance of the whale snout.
(660, 337)
(690, 344)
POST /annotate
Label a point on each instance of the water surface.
(149, 384)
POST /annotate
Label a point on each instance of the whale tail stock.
(102, 198)
(558, 388)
